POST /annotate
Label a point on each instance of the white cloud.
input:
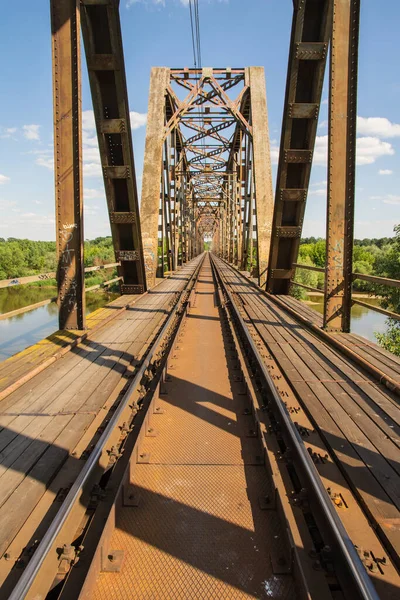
(369, 149)
(45, 161)
(325, 101)
(90, 210)
(137, 119)
(7, 203)
(88, 122)
(385, 172)
(321, 150)
(7, 132)
(274, 152)
(90, 147)
(319, 192)
(31, 132)
(378, 127)
(92, 169)
(387, 199)
(91, 194)
(4, 179)
(319, 183)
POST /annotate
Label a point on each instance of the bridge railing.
(384, 281)
(7, 283)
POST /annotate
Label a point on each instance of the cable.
(193, 37)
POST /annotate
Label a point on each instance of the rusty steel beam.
(261, 159)
(153, 169)
(307, 58)
(65, 24)
(101, 31)
(341, 164)
(200, 187)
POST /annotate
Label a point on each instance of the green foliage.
(306, 277)
(20, 258)
(315, 251)
(391, 339)
(388, 265)
(379, 257)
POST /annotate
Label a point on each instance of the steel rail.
(356, 570)
(32, 569)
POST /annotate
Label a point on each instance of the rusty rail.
(351, 569)
(128, 407)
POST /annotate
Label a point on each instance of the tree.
(389, 266)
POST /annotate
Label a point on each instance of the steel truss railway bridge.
(205, 435)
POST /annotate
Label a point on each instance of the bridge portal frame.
(216, 184)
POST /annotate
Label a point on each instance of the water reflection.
(26, 329)
(364, 322)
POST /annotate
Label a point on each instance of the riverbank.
(21, 331)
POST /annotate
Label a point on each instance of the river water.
(22, 331)
(364, 322)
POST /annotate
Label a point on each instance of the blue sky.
(157, 33)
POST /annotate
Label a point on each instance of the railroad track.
(201, 485)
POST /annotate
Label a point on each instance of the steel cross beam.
(101, 30)
(182, 180)
(341, 164)
(65, 26)
(307, 58)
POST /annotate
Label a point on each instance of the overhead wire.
(197, 59)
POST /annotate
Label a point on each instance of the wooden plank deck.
(56, 414)
(356, 416)
(385, 361)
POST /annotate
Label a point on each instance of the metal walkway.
(198, 530)
(207, 442)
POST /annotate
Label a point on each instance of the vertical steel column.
(341, 168)
(101, 31)
(65, 27)
(307, 58)
(261, 170)
(246, 214)
(153, 164)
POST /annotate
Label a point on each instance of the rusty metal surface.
(311, 31)
(101, 31)
(264, 200)
(341, 164)
(197, 530)
(65, 27)
(349, 422)
(58, 416)
(209, 153)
